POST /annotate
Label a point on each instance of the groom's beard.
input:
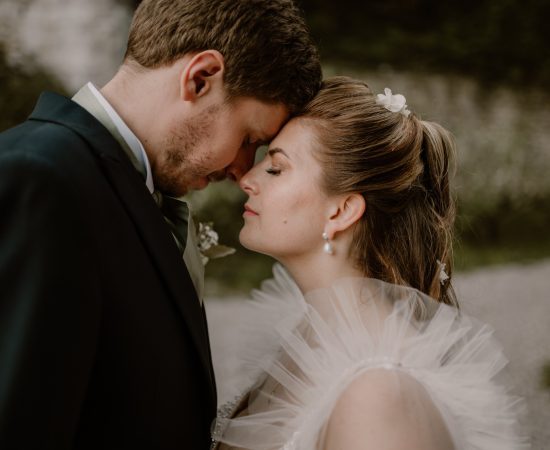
(219, 175)
(182, 165)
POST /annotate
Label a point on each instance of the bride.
(358, 342)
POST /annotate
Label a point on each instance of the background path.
(514, 299)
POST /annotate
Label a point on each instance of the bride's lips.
(248, 211)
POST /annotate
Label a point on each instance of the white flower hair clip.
(443, 276)
(393, 102)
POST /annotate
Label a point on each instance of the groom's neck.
(143, 98)
(135, 95)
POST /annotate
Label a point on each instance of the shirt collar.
(129, 137)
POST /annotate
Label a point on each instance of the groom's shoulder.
(48, 142)
(50, 133)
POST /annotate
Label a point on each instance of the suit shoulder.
(25, 171)
(48, 139)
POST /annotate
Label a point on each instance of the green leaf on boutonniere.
(218, 251)
(208, 243)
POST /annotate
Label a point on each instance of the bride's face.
(286, 210)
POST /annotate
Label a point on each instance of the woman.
(363, 345)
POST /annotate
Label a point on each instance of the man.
(103, 339)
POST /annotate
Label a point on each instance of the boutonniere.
(208, 243)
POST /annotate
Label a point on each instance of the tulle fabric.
(302, 352)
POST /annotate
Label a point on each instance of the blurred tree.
(493, 40)
(20, 88)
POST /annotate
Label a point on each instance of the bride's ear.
(345, 212)
(202, 74)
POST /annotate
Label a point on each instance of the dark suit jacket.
(103, 342)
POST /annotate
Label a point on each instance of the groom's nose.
(242, 163)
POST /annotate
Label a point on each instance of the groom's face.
(219, 142)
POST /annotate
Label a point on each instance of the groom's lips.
(248, 211)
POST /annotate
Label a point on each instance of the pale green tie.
(178, 217)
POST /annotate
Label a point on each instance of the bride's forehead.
(295, 137)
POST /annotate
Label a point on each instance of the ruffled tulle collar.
(300, 352)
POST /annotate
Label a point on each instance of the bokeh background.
(479, 67)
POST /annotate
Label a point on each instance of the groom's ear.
(202, 74)
(345, 212)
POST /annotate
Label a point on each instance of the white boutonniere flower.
(208, 244)
(393, 102)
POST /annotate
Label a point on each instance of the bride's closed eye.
(273, 171)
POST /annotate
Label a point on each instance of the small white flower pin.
(393, 102)
(442, 274)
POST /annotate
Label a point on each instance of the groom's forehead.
(264, 119)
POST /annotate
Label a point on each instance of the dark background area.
(495, 41)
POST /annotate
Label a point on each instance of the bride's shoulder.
(386, 409)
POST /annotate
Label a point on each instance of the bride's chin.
(245, 242)
(249, 244)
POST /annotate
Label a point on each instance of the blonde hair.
(401, 165)
(267, 49)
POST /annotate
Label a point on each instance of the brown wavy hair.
(269, 54)
(402, 166)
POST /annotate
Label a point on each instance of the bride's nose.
(248, 184)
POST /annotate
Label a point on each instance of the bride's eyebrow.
(273, 151)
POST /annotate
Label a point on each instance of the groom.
(103, 339)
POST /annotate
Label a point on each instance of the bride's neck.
(320, 270)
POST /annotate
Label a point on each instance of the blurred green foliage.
(501, 182)
(503, 138)
(546, 376)
(494, 41)
(19, 89)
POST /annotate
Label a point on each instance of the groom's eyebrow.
(273, 151)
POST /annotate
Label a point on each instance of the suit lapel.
(141, 208)
(158, 240)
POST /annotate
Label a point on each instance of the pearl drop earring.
(327, 247)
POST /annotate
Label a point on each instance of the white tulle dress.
(298, 354)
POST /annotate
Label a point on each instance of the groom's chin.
(198, 184)
(170, 184)
(219, 175)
